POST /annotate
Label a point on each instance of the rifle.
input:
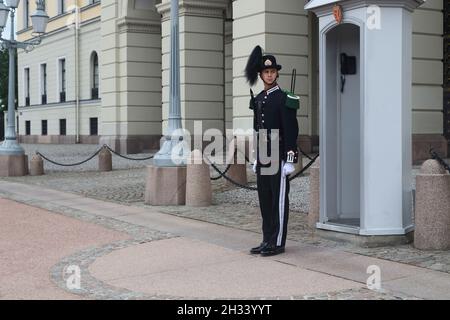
(293, 80)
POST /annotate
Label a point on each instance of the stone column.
(280, 28)
(198, 182)
(36, 166)
(131, 76)
(201, 60)
(432, 218)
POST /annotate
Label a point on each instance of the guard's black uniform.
(275, 109)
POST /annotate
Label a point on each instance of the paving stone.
(234, 207)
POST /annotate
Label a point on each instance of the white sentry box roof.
(320, 3)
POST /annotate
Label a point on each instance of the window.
(62, 127)
(95, 76)
(27, 86)
(44, 83)
(61, 6)
(62, 80)
(26, 14)
(27, 128)
(93, 126)
(44, 127)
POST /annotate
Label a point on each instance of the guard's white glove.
(288, 168)
(254, 167)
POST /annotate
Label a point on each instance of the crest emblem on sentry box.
(338, 13)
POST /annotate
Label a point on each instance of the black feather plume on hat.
(254, 65)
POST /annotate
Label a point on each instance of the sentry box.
(365, 115)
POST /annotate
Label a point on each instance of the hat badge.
(268, 63)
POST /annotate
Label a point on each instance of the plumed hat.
(257, 63)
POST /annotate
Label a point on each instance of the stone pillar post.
(237, 171)
(105, 161)
(36, 166)
(432, 216)
(198, 182)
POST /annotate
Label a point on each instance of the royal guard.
(274, 122)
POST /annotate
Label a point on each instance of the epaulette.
(292, 100)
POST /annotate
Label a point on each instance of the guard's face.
(269, 75)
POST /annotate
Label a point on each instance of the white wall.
(55, 46)
(427, 94)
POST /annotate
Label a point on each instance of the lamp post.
(166, 181)
(10, 147)
(164, 158)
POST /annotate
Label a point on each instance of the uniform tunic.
(275, 109)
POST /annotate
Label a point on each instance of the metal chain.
(231, 180)
(90, 158)
(125, 157)
(440, 160)
(305, 168)
(72, 164)
(223, 174)
(306, 155)
(220, 177)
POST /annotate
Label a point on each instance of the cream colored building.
(131, 40)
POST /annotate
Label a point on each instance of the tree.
(3, 78)
(4, 72)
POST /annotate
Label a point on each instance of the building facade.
(107, 80)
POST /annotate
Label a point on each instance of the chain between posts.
(125, 157)
(71, 164)
(90, 158)
(223, 174)
(435, 156)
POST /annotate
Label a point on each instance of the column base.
(13, 165)
(365, 241)
(165, 186)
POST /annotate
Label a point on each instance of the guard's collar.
(277, 87)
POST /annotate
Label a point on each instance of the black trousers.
(273, 194)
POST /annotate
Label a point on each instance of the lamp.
(4, 12)
(40, 18)
(12, 3)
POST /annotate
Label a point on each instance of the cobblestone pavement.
(233, 207)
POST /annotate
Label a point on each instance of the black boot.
(271, 250)
(257, 250)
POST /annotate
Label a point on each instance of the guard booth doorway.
(365, 116)
(341, 125)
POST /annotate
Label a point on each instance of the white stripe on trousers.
(281, 205)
